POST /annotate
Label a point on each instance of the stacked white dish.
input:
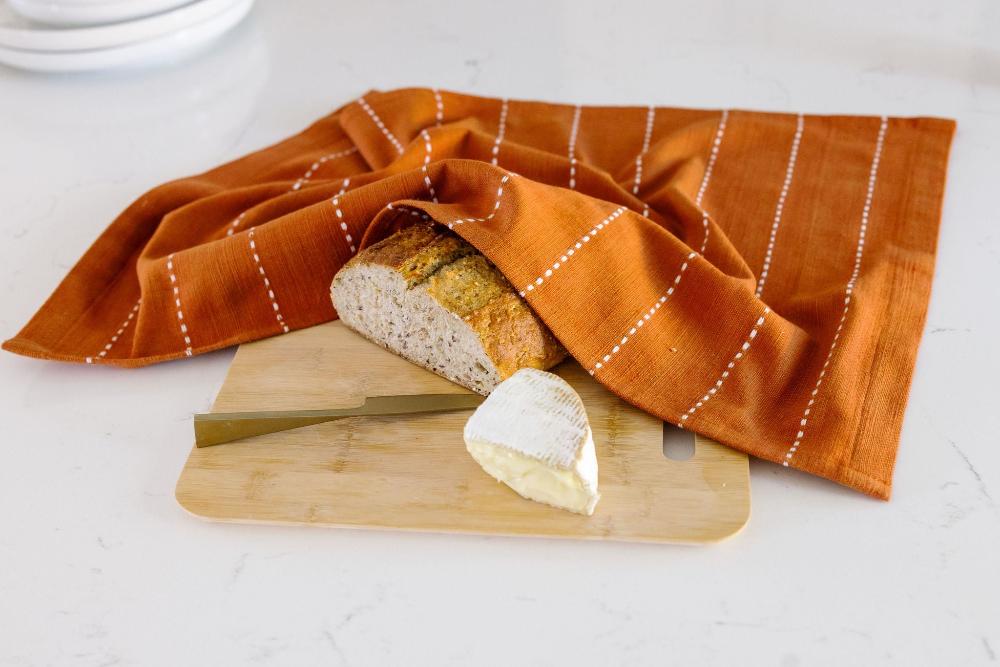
(81, 35)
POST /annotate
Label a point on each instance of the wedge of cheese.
(532, 434)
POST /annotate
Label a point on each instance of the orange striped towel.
(760, 278)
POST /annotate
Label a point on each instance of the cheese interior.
(532, 434)
(561, 487)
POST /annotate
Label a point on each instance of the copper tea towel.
(760, 278)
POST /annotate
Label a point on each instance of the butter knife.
(217, 428)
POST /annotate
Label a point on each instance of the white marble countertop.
(100, 566)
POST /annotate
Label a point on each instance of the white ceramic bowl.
(90, 12)
(116, 34)
(138, 53)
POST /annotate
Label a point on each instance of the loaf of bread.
(429, 296)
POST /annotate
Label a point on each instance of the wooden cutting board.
(414, 473)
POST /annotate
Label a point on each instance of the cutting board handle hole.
(678, 444)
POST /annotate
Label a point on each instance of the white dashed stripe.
(412, 211)
(423, 216)
(439, 114)
(267, 283)
(114, 339)
(728, 370)
(572, 250)
(645, 317)
(427, 160)
(574, 130)
(780, 207)
(378, 122)
(496, 206)
(707, 177)
(501, 130)
(647, 137)
(848, 290)
(299, 183)
(340, 215)
(177, 303)
(319, 163)
(235, 223)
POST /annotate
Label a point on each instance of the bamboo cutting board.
(413, 473)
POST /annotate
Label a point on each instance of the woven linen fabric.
(760, 278)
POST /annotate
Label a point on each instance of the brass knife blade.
(217, 428)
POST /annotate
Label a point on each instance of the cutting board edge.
(726, 531)
(620, 539)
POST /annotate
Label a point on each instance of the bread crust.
(466, 284)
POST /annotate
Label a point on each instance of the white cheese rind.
(532, 434)
(533, 413)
